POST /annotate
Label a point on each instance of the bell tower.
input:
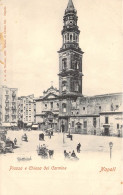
(70, 64)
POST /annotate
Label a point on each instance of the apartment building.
(26, 111)
(8, 106)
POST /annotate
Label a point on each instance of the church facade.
(67, 109)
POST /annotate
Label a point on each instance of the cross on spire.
(51, 83)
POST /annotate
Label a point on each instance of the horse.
(51, 153)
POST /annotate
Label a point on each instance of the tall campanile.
(70, 66)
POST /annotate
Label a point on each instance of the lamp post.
(69, 128)
(110, 145)
(62, 125)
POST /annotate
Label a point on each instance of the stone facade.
(47, 109)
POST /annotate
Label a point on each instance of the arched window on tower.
(70, 37)
(63, 107)
(64, 86)
(74, 36)
(64, 64)
(65, 38)
(77, 66)
(76, 86)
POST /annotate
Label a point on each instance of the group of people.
(72, 155)
(42, 150)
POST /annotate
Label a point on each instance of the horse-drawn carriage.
(24, 138)
(9, 146)
(6, 146)
(70, 136)
(41, 136)
(49, 132)
(2, 147)
(44, 152)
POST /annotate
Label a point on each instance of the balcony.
(7, 101)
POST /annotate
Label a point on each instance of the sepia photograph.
(61, 97)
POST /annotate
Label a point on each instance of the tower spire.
(70, 5)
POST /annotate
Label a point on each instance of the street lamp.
(62, 125)
(69, 128)
(110, 145)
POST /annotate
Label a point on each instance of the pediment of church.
(50, 96)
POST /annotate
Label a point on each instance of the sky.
(33, 37)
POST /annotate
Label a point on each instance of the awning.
(2, 132)
(6, 124)
(29, 124)
(34, 126)
(13, 124)
(106, 125)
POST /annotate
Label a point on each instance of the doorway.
(106, 131)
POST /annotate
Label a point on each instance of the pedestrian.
(78, 147)
(73, 154)
(15, 141)
(50, 135)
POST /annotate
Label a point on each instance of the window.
(70, 37)
(57, 105)
(117, 126)
(74, 36)
(85, 124)
(51, 104)
(83, 108)
(45, 105)
(94, 122)
(76, 87)
(100, 107)
(72, 124)
(64, 87)
(64, 107)
(78, 127)
(64, 64)
(67, 36)
(77, 66)
(106, 120)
